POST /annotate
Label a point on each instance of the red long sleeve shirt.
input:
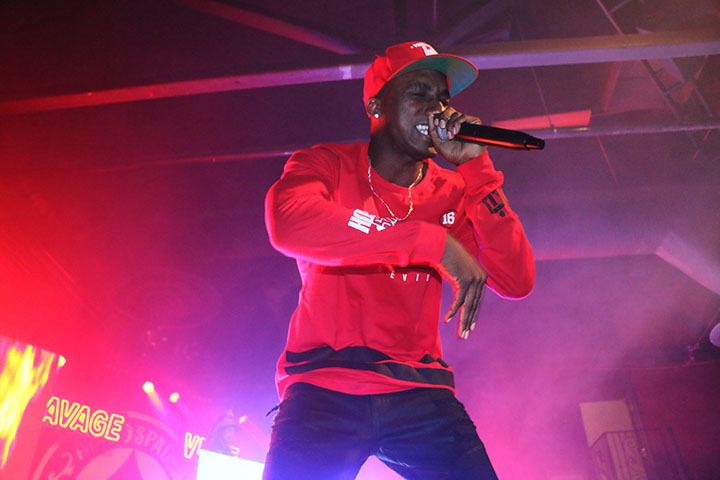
(369, 307)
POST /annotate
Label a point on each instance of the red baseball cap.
(409, 56)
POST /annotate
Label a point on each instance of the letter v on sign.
(68, 417)
(193, 443)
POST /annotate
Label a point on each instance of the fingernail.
(465, 334)
(472, 327)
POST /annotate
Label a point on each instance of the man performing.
(374, 228)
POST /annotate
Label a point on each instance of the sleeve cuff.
(478, 171)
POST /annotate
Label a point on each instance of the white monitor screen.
(216, 466)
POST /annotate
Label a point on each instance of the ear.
(374, 107)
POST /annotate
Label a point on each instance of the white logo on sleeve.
(361, 220)
(448, 218)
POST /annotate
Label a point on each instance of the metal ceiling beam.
(600, 49)
(285, 151)
(531, 53)
(677, 108)
(624, 129)
(274, 25)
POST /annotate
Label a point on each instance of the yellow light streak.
(20, 382)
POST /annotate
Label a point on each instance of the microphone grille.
(442, 133)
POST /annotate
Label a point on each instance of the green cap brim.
(460, 72)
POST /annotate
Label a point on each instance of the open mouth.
(422, 129)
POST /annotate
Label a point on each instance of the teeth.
(422, 129)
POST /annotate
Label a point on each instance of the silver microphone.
(442, 133)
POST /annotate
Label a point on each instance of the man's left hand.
(454, 151)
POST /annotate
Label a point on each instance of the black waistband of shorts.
(365, 358)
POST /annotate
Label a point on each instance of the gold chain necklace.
(415, 182)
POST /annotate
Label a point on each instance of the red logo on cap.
(427, 49)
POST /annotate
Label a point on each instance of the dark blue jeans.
(422, 434)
